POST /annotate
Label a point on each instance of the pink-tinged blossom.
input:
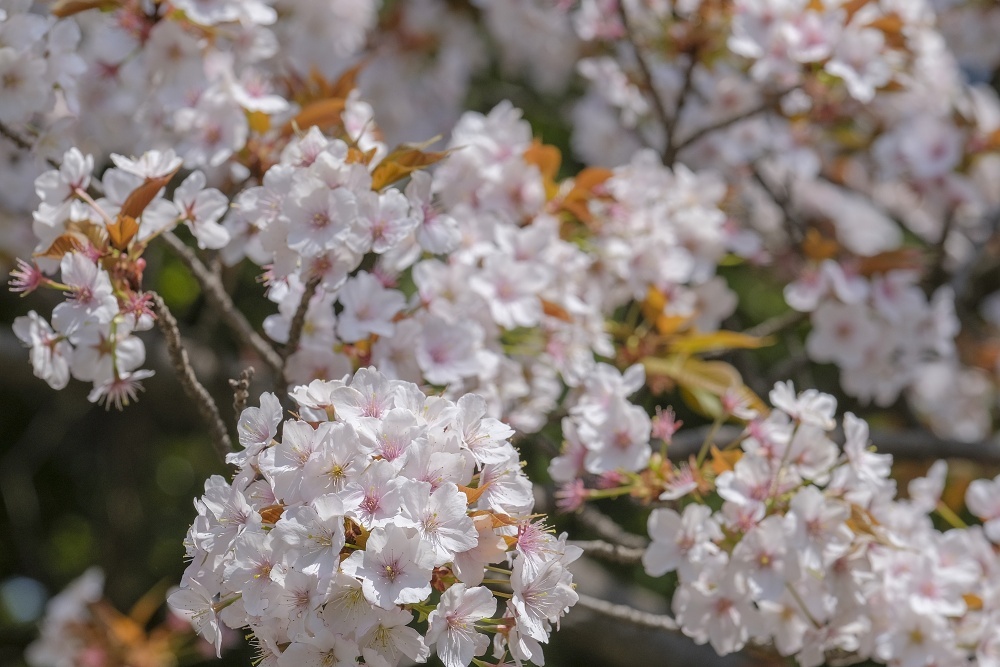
(511, 289)
(437, 232)
(390, 638)
(120, 390)
(809, 407)
(321, 649)
(395, 567)
(441, 519)
(620, 442)
(447, 351)
(680, 542)
(983, 500)
(490, 548)
(369, 308)
(382, 222)
(150, 165)
(452, 624)
(50, 352)
(314, 533)
(719, 612)
(202, 209)
(195, 603)
(374, 498)
(485, 437)
(541, 599)
(256, 428)
(91, 295)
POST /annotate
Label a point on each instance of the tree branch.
(701, 132)
(221, 301)
(614, 553)
(625, 613)
(203, 400)
(299, 319)
(608, 529)
(12, 135)
(664, 116)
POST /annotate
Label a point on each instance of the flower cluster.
(880, 331)
(810, 550)
(381, 503)
(96, 248)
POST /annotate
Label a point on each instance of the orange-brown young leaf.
(723, 461)
(473, 494)
(64, 8)
(139, 199)
(555, 310)
(903, 258)
(122, 231)
(68, 242)
(321, 113)
(402, 162)
(547, 158)
(348, 81)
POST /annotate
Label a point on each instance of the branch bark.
(608, 529)
(613, 553)
(625, 613)
(299, 319)
(203, 400)
(221, 301)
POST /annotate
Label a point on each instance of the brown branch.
(670, 148)
(241, 390)
(608, 529)
(936, 274)
(776, 324)
(15, 138)
(189, 381)
(299, 319)
(223, 303)
(647, 74)
(614, 553)
(783, 201)
(625, 613)
(726, 122)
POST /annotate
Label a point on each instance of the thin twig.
(614, 553)
(241, 390)
(670, 129)
(223, 303)
(15, 138)
(937, 275)
(776, 324)
(963, 276)
(784, 203)
(766, 105)
(625, 613)
(608, 529)
(189, 381)
(647, 72)
(299, 319)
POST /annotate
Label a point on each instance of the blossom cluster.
(789, 541)
(95, 247)
(379, 506)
